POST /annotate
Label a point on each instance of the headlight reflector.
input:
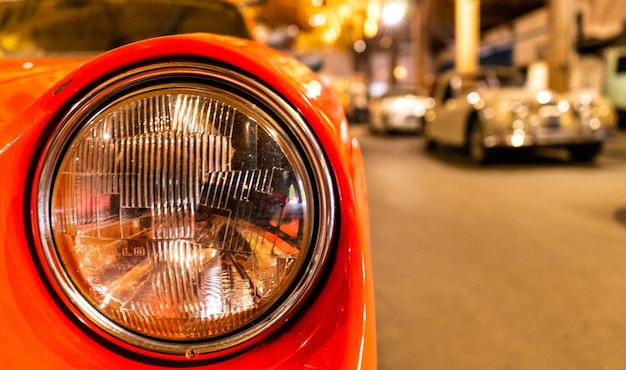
(184, 217)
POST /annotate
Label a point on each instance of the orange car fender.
(336, 326)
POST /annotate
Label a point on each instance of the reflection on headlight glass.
(180, 216)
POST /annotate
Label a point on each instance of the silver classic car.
(494, 109)
(401, 109)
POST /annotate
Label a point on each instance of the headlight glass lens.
(184, 214)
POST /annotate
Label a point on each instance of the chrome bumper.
(545, 137)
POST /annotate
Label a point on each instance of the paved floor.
(519, 265)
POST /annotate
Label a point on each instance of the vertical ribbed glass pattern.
(181, 215)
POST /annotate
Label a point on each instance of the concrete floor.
(519, 265)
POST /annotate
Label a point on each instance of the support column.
(467, 35)
(560, 39)
(421, 43)
(393, 60)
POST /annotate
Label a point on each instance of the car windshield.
(405, 90)
(488, 79)
(506, 78)
(35, 27)
(494, 79)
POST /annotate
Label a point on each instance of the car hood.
(24, 80)
(508, 93)
(533, 96)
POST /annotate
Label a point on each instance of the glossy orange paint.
(23, 81)
(335, 327)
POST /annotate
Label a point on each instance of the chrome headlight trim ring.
(279, 121)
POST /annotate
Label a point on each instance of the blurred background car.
(615, 80)
(402, 109)
(494, 109)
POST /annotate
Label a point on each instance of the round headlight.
(184, 209)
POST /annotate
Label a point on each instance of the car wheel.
(430, 144)
(584, 152)
(416, 123)
(377, 129)
(476, 144)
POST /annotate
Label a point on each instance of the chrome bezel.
(289, 123)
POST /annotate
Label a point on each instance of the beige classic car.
(494, 109)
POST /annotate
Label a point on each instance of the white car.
(493, 109)
(401, 109)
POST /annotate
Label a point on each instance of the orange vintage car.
(184, 201)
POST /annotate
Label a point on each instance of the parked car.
(186, 201)
(615, 80)
(400, 109)
(493, 109)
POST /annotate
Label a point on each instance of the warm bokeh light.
(400, 72)
(360, 46)
(370, 27)
(317, 20)
(394, 12)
